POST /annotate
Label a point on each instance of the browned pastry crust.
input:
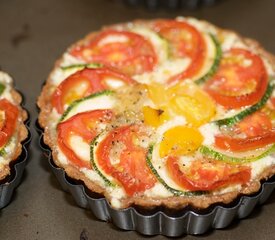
(175, 202)
(22, 134)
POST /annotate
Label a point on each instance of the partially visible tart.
(170, 113)
(12, 128)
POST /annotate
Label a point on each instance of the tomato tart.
(14, 137)
(12, 129)
(167, 112)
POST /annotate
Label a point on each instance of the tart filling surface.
(165, 112)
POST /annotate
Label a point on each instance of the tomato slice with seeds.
(240, 81)
(240, 145)
(206, 175)
(120, 156)
(185, 41)
(86, 82)
(255, 131)
(8, 121)
(85, 126)
(254, 125)
(129, 52)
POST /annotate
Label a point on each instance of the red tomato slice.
(84, 125)
(8, 121)
(84, 83)
(205, 175)
(255, 130)
(130, 53)
(240, 81)
(129, 160)
(273, 102)
(249, 143)
(185, 41)
(254, 125)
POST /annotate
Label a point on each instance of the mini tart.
(170, 113)
(13, 131)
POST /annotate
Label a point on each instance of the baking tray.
(159, 221)
(9, 184)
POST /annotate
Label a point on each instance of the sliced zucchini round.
(159, 170)
(77, 67)
(241, 115)
(160, 44)
(108, 180)
(214, 56)
(2, 88)
(100, 100)
(250, 156)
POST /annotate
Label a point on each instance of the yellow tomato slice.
(192, 102)
(151, 116)
(180, 140)
(155, 117)
(185, 99)
(158, 94)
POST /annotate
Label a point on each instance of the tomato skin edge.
(230, 102)
(133, 182)
(93, 77)
(240, 177)
(197, 60)
(73, 125)
(11, 115)
(240, 145)
(138, 42)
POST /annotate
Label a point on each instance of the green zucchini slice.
(81, 66)
(215, 64)
(99, 100)
(95, 164)
(174, 191)
(241, 115)
(212, 153)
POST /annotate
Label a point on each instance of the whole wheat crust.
(176, 202)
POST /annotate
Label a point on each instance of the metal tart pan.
(190, 221)
(171, 4)
(10, 183)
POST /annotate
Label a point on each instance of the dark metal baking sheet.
(33, 34)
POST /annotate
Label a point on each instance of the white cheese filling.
(7, 81)
(8, 149)
(259, 166)
(113, 39)
(208, 132)
(80, 147)
(164, 71)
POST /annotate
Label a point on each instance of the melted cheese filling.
(80, 147)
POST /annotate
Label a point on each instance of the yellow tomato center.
(180, 140)
(185, 99)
